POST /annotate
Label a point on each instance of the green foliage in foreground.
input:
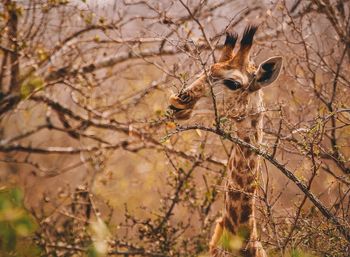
(30, 85)
(16, 225)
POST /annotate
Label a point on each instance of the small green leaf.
(31, 84)
(16, 197)
(91, 252)
(15, 223)
(225, 239)
(24, 226)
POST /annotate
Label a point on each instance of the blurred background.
(90, 163)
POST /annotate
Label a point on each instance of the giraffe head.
(234, 74)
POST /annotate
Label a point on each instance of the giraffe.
(241, 103)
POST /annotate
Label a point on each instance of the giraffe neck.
(239, 217)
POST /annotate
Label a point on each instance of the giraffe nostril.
(185, 97)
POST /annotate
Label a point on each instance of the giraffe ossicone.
(240, 82)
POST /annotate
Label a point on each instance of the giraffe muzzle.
(181, 106)
(180, 114)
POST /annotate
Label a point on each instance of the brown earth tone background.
(85, 134)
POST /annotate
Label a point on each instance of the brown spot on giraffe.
(240, 180)
(254, 122)
(247, 152)
(252, 163)
(234, 195)
(246, 212)
(239, 165)
(233, 213)
(229, 225)
(246, 139)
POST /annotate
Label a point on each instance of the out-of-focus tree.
(105, 171)
(15, 224)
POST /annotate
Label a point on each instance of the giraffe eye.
(232, 84)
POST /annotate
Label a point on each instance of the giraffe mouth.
(180, 114)
(175, 109)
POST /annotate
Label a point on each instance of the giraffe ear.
(268, 72)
